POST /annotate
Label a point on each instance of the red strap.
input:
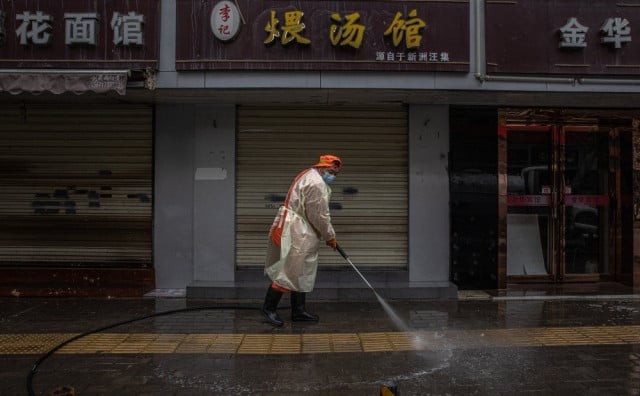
(276, 232)
(279, 288)
(276, 235)
(304, 172)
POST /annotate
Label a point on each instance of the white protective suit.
(304, 221)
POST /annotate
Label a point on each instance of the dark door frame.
(575, 119)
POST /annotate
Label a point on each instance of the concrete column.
(214, 194)
(428, 195)
(173, 196)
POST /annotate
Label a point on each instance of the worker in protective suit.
(294, 240)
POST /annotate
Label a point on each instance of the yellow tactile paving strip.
(252, 344)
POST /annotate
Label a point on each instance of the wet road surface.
(473, 347)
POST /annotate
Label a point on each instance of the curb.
(569, 297)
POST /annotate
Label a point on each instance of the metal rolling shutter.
(76, 185)
(369, 201)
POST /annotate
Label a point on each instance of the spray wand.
(346, 257)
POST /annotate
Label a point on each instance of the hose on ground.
(34, 368)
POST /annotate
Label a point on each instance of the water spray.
(392, 314)
(389, 388)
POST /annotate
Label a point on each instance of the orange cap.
(330, 161)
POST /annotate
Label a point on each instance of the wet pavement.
(477, 345)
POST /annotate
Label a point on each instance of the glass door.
(531, 216)
(564, 197)
(584, 202)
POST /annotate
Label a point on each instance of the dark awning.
(36, 81)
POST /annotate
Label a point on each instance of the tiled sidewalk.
(477, 346)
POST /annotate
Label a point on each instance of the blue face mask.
(328, 177)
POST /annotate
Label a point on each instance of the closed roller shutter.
(369, 201)
(76, 186)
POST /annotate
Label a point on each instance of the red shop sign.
(528, 200)
(588, 200)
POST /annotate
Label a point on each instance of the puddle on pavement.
(419, 343)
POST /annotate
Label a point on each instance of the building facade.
(148, 145)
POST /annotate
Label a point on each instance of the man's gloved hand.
(332, 243)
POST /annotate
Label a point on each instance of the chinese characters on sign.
(323, 35)
(73, 34)
(350, 33)
(528, 200)
(409, 30)
(106, 81)
(127, 29)
(80, 28)
(569, 200)
(564, 37)
(346, 32)
(225, 20)
(588, 200)
(36, 28)
(614, 31)
(413, 56)
(291, 30)
(573, 34)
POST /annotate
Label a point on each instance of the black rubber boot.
(270, 306)
(298, 312)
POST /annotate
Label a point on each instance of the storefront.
(250, 142)
(77, 189)
(76, 162)
(224, 176)
(561, 209)
(369, 203)
(568, 194)
(475, 156)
